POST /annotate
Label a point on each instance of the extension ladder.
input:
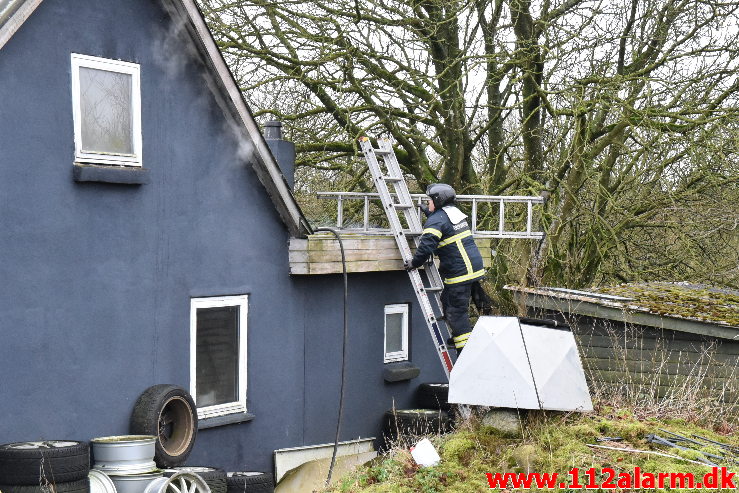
(392, 176)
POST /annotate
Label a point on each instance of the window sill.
(126, 175)
(398, 372)
(229, 419)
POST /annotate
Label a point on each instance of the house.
(658, 339)
(145, 229)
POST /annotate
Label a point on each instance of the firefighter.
(447, 234)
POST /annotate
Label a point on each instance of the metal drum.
(124, 455)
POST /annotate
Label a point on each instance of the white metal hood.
(517, 364)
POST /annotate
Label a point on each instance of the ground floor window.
(396, 333)
(218, 354)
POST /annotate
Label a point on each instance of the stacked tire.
(433, 396)
(400, 425)
(30, 467)
(250, 482)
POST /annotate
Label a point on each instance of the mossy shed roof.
(677, 301)
(683, 300)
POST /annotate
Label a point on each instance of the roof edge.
(16, 20)
(548, 300)
(265, 165)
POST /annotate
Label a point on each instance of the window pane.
(217, 354)
(393, 332)
(105, 104)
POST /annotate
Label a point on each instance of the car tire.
(81, 486)
(63, 462)
(415, 422)
(433, 396)
(250, 482)
(167, 412)
(215, 478)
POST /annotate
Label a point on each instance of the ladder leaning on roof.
(392, 176)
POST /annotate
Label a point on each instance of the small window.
(218, 355)
(396, 333)
(107, 111)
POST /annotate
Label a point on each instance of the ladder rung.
(394, 175)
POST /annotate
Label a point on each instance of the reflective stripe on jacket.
(460, 261)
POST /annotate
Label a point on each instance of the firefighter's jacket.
(447, 234)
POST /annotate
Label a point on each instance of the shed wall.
(653, 362)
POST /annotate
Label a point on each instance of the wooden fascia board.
(265, 166)
(596, 310)
(320, 254)
(16, 20)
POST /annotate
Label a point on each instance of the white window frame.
(105, 158)
(242, 301)
(401, 355)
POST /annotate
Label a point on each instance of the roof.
(13, 13)
(695, 308)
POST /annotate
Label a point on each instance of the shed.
(659, 339)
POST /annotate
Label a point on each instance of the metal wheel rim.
(155, 486)
(100, 482)
(48, 444)
(192, 469)
(175, 409)
(184, 482)
(120, 469)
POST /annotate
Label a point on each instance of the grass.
(650, 383)
(552, 442)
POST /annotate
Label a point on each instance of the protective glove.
(408, 265)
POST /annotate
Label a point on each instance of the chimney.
(282, 150)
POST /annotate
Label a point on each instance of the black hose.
(343, 351)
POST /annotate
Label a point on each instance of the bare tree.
(622, 113)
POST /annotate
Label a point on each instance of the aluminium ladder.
(392, 176)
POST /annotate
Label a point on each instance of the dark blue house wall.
(97, 278)
(367, 395)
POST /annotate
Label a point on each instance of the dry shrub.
(656, 379)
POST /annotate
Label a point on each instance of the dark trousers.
(455, 300)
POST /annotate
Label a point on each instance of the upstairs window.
(396, 333)
(218, 355)
(106, 101)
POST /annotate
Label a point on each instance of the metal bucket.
(124, 455)
(135, 483)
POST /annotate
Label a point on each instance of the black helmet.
(441, 194)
